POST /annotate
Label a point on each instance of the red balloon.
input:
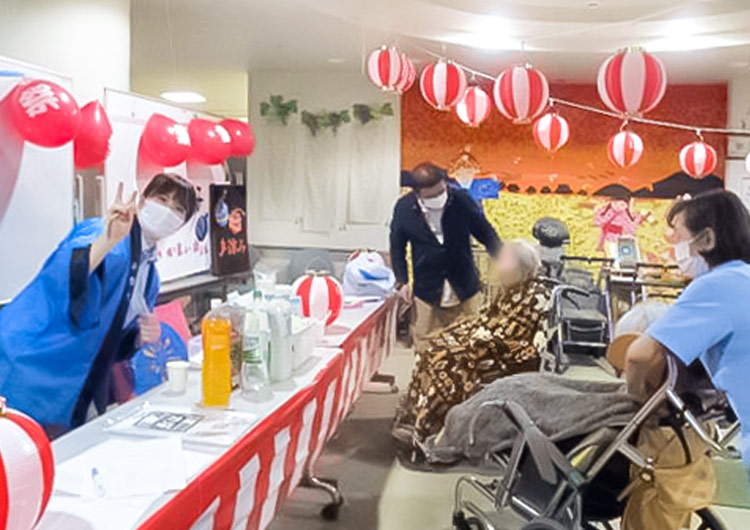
(44, 113)
(211, 142)
(91, 144)
(243, 139)
(165, 141)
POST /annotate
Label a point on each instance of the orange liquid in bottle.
(217, 366)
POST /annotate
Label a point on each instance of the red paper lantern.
(521, 93)
(384, 67)
(91, 144)
(44, 113)
(165, 141)
(698, 159)
(210, 141)
(408, 75)
(243, 139)
(27, 470)
(442, 84)
(625, 149)
(322, 296)
(474, 107)
(551, 131)
(632, 82)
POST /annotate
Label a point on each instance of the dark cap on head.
(426, 175)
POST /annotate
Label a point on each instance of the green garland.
(325, 119)
(367, 113)
(278, 109)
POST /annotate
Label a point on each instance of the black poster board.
(229, 242)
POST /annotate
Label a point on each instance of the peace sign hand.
(120, 216)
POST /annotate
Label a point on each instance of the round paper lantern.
(521, 93)
(384, 67)
(551, 131)
(165, 141)
(698, 159)
(442, 84)
(243, 139)
(44, 113)
(625, 149)
(321, 294)
(27, 470)
(747, 163)
(408, 75)
(210, 141)
(91, 144)
(474, 107)
(631, 82)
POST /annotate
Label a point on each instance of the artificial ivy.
(325, 119)
(367, 113)
(278, 109)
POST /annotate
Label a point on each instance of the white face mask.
(158, 220)
(436, 203)
(692, 265)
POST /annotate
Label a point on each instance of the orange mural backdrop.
(509, 152)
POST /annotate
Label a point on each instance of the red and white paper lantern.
(625, 149)
(632, 82)
(474, 107)
(747, 163)
(384, 67)
(698, 159)
(27, 470)
(321, 295)
(521, 93)
(408, 75)
(442, 84)
(551, 131)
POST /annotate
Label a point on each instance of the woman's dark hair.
(724, 213)
(426, 175)
(174, 186)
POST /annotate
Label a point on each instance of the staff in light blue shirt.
(711, 319)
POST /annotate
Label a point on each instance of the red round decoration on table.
(408, 74)
(442, 84)
(625, 149)
(210, 141)
(698, 159)
(384, 67)
(551, 131)
(321, 295)
(44, 113)
(521, 93)
(27, 471)
(165, 141)
(632, 82)
(91, 144)
(474, 107)
(243, 139)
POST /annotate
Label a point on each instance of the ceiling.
(209, 45)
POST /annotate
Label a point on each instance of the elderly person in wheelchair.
(578, 454)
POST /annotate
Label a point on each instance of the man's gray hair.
(527, 254)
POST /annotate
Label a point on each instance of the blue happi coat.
(61, 335)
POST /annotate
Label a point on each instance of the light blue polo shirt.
(711, 321)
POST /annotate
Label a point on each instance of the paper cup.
(177, 372)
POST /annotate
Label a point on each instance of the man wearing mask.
(90, 307)
(438, 221)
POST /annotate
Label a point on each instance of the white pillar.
(88, 40)
(737, 178)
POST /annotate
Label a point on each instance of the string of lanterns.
(630, 83)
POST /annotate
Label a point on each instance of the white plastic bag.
(367, 275)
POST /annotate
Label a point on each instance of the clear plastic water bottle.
(254, 376)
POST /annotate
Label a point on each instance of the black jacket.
(433, 262)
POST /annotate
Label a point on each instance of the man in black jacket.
(438, 221)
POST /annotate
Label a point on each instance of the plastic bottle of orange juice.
(217, 366)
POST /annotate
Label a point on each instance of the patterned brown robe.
(504, 339)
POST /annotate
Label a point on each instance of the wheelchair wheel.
(461, 522)
(709, 520)
(543, 524)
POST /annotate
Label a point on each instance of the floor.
(382, 495)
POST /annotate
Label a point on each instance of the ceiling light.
(183, 96)
(491, 33)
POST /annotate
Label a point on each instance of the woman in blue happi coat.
(89, 307)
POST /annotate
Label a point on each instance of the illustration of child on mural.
(617, 218)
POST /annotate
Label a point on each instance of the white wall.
(325, 191)
(88, 40)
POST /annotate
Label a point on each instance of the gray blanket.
(562, 408)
